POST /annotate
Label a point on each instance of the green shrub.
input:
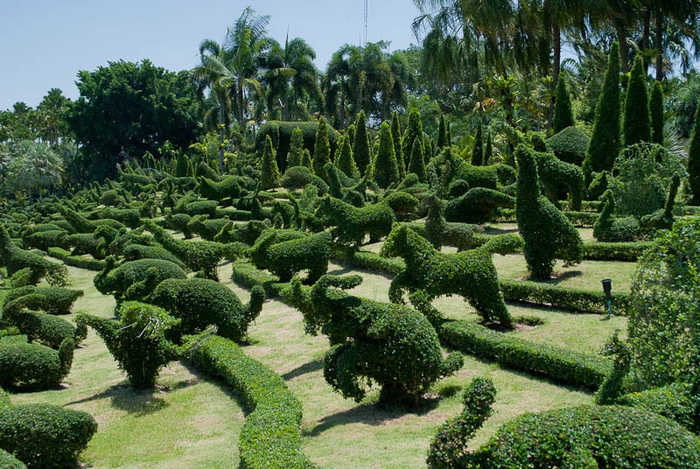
(201, 207)
(270, 436)
(605, 141)
(43, 240)
(590, 437)
(129, 217)
(45, 436)
(87, 263)
(557, 364)
(296, 177)
(227, 187)
(179, 222)
(14, 259)
(391, 345)
(137, 340)
(284, 130)
(8, 461)
(674, 401)
(199, 303)
(45, 328)
(554, 173)
(286, 258)
(626, 252)
(352, 224)
(656, 113)
(34, 366)
(21, 278)
(569, 145)
(135, 252)
(539, 220)
(430, 274)
(477, 205)
(563, 112)
(322, 150)
(402, 203)
(562, 297)
(385, 168)
(86, 243)
(694, 159)
(206, 229)
(135, 279)
(637, 125)
(270, 172)
(609, 228)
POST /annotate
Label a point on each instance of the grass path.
(188, 421)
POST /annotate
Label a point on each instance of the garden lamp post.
(607, 289)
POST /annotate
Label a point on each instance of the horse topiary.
(352, 224)
(15, 259)
(126, 281)
(391, 345)
(430, 274)
(285, 258)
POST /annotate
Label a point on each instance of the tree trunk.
(659, 46)
(221, 139)
(286, 105)
(240, 105)
(556, 67)
(645, 37)
(622, 39)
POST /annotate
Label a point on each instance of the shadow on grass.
(309, 367)
(372, 414)
(344, 269)
(136, 401)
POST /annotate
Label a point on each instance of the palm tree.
(291, 67)
(336, 85)
(50, 110)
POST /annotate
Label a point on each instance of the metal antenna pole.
(366, 9)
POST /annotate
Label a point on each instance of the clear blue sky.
(44, 43)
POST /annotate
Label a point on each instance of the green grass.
(188, 420)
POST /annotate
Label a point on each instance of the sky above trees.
(46, 43)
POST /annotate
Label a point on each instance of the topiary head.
(479, 396)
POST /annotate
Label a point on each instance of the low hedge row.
(87, 263)
(629, 252)
(562, 297)
(582, 219)
(270, 435)
(368, 260)
(557, 364)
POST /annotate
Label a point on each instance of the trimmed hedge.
(286, 258)
(135, 252)
(201, 302)
(86, 263)
(351, 224)
(34, 366)
(270, 435)
(7, 461)
(570, 145)
(14, 259)
(561, 297)
(629, 252)
(56, 300)
(45, 436)
(557, 364)
(48, 330)
(135, 279)
(674, 401)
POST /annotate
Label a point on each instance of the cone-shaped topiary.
(296, 148)
(360, 148)
(637, 126)
(386, 168)
(416, 165)
(181, 168)
(398, 148)
(605, 142)
(478, 150)
(563, 112)
(322, 149)
(488, 149)
(442, 132)
(547, 233)
(270, 172)
(345, 161)
(656, 113)
(307, 161)
(694, 160)
(413, 132)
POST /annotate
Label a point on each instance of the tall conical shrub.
(351, 135)
(306, 160)
(563, 112)
(605, 142)
(345, 161)
(694, 159)
(414, 131)
(478, 150)
(386, 168)
(398, 148)
(442, 132)
(181, 168)
(656, 112)
(361, 148)
(637, 126)
(417, 165)
(296, 148)
(322, 150)
(488, 150)
(270, 172)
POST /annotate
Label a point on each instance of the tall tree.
(605, 141)
(386, 168)
(563, 112)
(322, 150)
(360, 149)
(478, 149)
(637, 127)
(656, 113)
(694, 159)
(52, 110)
(396, 135)
(270, 173)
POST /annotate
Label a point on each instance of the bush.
(627, 252)
(43, 240)
(135, 279)
(228, 187)
(14, 259)
(386, 168)
(34, 366)
(87, 263)
(270, 435)
(206, 229)
(8, 461)
(297, 177)
(674, 402)
(135, 252)
(569, 145)
(553, 174)
(45, 436)
(609, 228)
(199, 303)
(270, 172)
(351, 224)
(201, 207)
(563, 113)
(48, 330)
(561, 297)
(391, 345)
(286, 258)
(430, 274)
(284, 130)
(637, 125)
(539, 220)
(137, 340)
(591, 437)
(557, 364)
(477, 206)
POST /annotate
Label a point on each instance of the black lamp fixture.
(607, 289)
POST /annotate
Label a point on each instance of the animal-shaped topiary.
(575, 437)
(15, 259)
(83, 225)
(477, 205)
(34, 366)
(402, 203)
(285, 258)
(197, 255)
(391, 345)
(201, 302)
(548, 234)
(609, 228)
(662, 219)
(352, 224)
(53, 300)
(430, 274)
(205, 228)
(554, 173)
(119, 279)
(228, 187)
